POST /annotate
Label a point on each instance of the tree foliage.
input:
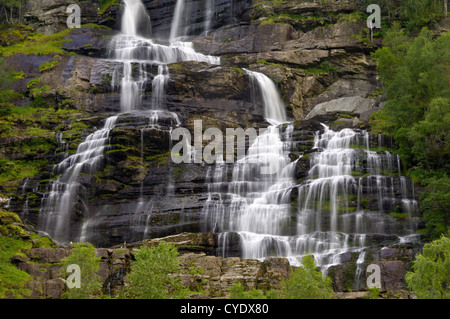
(13, 9)
(307, 282)
(83, 255)
(151, 275)
(415, 75)
(238, 291)
(435, 205)
(412, 14)
(430, 278)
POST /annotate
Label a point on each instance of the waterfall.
(135, 58)
(136, 55)
(209, 13)
(327, 214)
(274, 109)
(177, 21)
(345, 202)
(159, 87)
(59, 201)
(134, 17)
(256, 204)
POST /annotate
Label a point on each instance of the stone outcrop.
(200, 271)
(50, 16)
(393, 262)
(203, 272)
(310, 66)
(354, 105)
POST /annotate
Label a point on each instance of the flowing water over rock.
(66, 192)
(133, 57)
(344, 204)
(255, 203)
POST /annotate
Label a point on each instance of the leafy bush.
(151, 275)
(417, 111)
(413, 14)
(307, 282)
(430, 278)
(83, 255)
(435, 206)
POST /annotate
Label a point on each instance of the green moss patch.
(12, 280)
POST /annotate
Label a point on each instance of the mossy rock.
(9, 218)
(13, 34)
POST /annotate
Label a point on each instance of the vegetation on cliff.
(83, 255)
(151, 275)
(430, 278)
(415, 77)
(14, 242)
(412, 14)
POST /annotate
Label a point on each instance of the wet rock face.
(393, 263)
(313, 66)
(195, 12)
(89, 41)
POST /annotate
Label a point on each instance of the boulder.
(354, 105)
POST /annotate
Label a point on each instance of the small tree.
(430, 278)
(307, 282)
(151, 275)
(83, 255)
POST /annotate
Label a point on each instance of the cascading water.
(177, 21)
(342, 205)
(58, 203)
(134, 17)
(347, 197)
(134, 56)
(209, 13)
(273, 106)
(256, 203)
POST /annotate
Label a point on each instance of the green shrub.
(83, 255)
(307, 282)
(435, 207)
(47, 66)
(430, 278)
(151, 275)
